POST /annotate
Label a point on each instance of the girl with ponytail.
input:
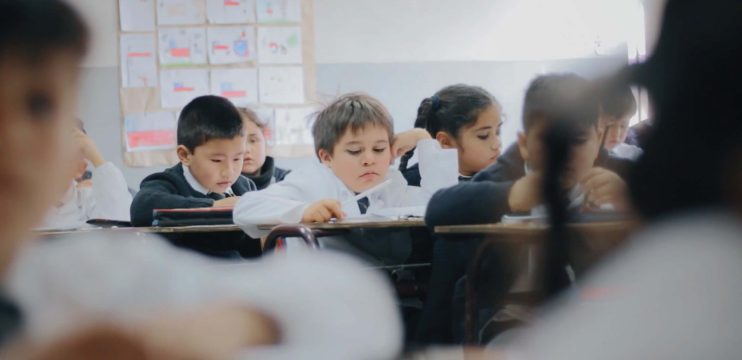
(462, 117)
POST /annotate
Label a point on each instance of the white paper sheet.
(278, 11)
(279, 45)
(238, 85)
(231, 45)
(294, 126)
(138, 68)
(178, 87)
(231, 11)
(181, 12)
(182, 46)
(137, 15)
(281, 85)
(150, 131)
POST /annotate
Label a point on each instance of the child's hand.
(227, 202)
(88, 148)
(525, 193)
(407, 140)
(322, 211)
(603, 186)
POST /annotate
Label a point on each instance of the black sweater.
(269, 174)
(485, 199)
(170, 190)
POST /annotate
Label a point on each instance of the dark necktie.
(363, 204)
(215, 196)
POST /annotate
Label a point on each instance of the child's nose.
(368, 158)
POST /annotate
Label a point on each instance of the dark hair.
(693, 79)
(450, 109)
(354, 111)
(560, 97)
(616, 98)
(205, 118)
(35, 29)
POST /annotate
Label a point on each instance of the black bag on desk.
(189, 217)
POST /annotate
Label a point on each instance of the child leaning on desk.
(355, 143)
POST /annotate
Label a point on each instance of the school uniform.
(108, 198)
(177, 188)
(115, 278)
(285, 202)
(269, 174)
(480, 201)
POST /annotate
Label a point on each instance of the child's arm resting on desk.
(157, 192)
(469, 203)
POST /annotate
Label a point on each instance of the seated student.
(166, 300)
(513, 184)
(355, 143)
(617, 106)
(462, 117)
(211, 144)
(256, 165)
(105, 196)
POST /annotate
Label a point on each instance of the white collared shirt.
(627, 151)
(191, 180)
(108, 198)
(286, 201)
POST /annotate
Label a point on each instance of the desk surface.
(143, 230)
(356, 224)
(534, 228)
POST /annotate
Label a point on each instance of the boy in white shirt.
(355, 143)
(617, 106)
(106, 196)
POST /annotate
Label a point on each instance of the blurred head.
(693, 81)
(353, 137)
(255, 149)
(617, 106)
(211, 141)
(41, 46)
(560, 98)
(466, 118)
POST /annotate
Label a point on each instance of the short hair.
(253, 117)
(560, 97)
(35, 29)
(616, 99)
(205, 118)
(352, 111)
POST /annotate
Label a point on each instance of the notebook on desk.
(194, 216)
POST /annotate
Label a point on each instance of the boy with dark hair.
(617, 106)
(211, 146)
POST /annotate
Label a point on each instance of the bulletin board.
(256, 53)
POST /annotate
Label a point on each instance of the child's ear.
(522, 146)
(445, 139)
(183, 155)
(324, 156)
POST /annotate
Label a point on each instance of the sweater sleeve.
(159, 193)
(478, 202)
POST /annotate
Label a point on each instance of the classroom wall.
(385, 48)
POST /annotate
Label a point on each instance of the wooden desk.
(213, 240)
(536, 229)
(355, 224)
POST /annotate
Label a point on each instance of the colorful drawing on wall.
(231, 45)
(279, 45)
(281, 85)
(278, 11)
(230, 11)
(138, 67)
(178, 87)
(293, 126)
(181, 12)
(182, 46)
(150, 131)
(137, 15)
(238, 85)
